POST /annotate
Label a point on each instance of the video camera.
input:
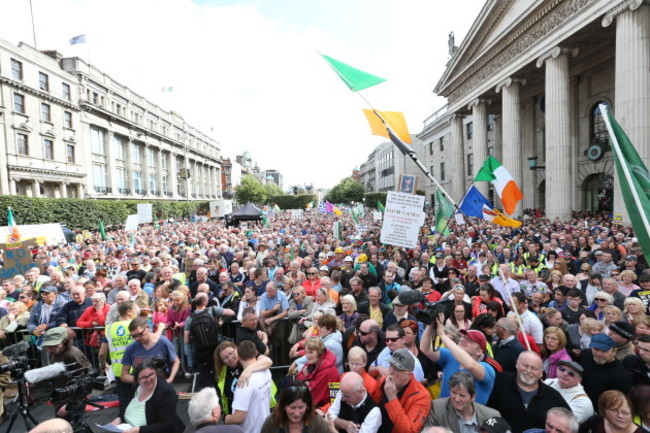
(431, 310)
(79, 383)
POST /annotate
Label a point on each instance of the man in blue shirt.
(274, 306)
(468, 355)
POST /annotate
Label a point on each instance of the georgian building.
(525, 84)
(67, 129)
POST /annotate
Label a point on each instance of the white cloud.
(251, 69)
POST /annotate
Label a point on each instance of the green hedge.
(293, 201)
(83, 214)
(371, 199)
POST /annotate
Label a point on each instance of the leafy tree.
(347, 191)
(250, 189)
(272, 191)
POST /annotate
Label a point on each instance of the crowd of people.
(545, 327)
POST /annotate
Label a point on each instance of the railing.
(103, 189)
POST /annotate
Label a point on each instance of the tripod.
(24, 404)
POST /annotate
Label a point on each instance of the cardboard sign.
(17, 259)
(131, 224)
(145, 213)
(402, 220)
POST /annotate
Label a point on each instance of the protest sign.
(145, 213)
(296, 213)
(17, 258)
(402, 220)
(131, 224)
(53, 233)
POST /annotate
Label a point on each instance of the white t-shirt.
(533, 326)
(255, 399)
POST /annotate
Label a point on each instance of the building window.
(470, 130)
(48, 149)
(599, 134)
(442, 171)
(470, 164)
(152, 183)
(121, 180)
(118, 151)
(151, 157)
(22, 144)
(137, 182)
(164, 162)
(442, 144)
(69, 153)
(45, 113)
(165, 185)
(491, 151)
(43, 81)
(490, 120)
(97, 141)
(99, 177)
(135, 154)
(431, 171)
(95, 98)
(431, 148)
(67, 119)
(19, 103)
(66, 91)
(16, 70)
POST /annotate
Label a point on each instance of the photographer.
(468, 354)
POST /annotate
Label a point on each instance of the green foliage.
(420, 192)
(371, 199)
(84, 214)
(272, 191)
(347, 191)
(293, 201)
(250, 189)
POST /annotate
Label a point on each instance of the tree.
(250, 189)
(347, 191)
(272, 190)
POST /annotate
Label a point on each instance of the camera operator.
(468, 354)
(60, 348)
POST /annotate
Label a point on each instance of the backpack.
(204, 331)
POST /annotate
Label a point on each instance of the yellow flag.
(394, 119)
(505, 221)
(337, 211)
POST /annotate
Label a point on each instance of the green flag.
(102, 229)
(380, 206)
(265, 220)
(444, 211)
(634, 179)
(354, 78)
(355, 217)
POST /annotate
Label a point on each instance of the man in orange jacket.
(404, 402)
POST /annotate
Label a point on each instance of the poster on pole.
(296, 214)
(403, 219)
(145, 213)
(131, 224)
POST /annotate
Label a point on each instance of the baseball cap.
(402, 360)
(55, 336)
(396, 301)
(49, 289)
(572, 365)
(623, 329)
(476, 337)
(496, 424)
(602, 342)
(631, 257)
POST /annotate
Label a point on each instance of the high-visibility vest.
(118, 337)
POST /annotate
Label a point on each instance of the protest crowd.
(287, 326)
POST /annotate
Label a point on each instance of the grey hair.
(507, 325)
(98, 296)
(568, 416)
(464, 379)
(201, 405)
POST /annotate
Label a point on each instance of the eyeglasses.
(312, 273)
(229, 355)
(600, 299)
(139, 334)
(299, 388)
(147, 377)
(362, 333)
(564, 369)
(392, 340)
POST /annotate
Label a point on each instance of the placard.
(131, 224)
(145, 213)
(296, 213)
(17, 258)
(53, 233)
(402, 220)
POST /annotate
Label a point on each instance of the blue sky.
(250, 69)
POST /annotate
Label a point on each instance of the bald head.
(54, 425)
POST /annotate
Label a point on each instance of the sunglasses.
(568, 371)
(139, 334)
(392, 340)
(312, 273)
(600, 299)
(300, 388)
(362, 333)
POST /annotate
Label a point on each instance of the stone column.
(64, 190)
(159, 171)
(632, 81)
(12, 186)
(558, 134)
(457, 158)
(80, 189)
(36, 189)
(528, 187)
(110, 163)
(512, 131)
(479, 142)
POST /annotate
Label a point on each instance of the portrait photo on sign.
(407, 183)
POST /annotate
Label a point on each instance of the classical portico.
(528, 79)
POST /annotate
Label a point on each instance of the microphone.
(16, 350)
(409, 297)
(45, 373)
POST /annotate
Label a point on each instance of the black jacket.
(506, 399)
(507, 354)
(160, 410)
(364, 308)
(599, 378)
(638, 369)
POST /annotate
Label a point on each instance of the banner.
(220, 208)
(145, 212)
(53, 233)
(402, 220)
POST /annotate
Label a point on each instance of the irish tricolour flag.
(13, 228)
(504, 184)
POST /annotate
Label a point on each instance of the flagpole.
(623, 165)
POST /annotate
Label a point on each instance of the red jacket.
(318, 377)
(409, 413)
(91, 315)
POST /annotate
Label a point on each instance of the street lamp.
(532, 164)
